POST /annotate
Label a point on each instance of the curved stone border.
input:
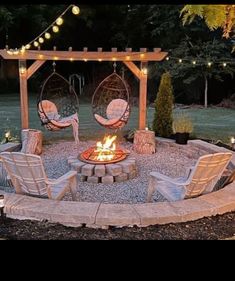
(103, 215)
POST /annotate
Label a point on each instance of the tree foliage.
(162, 123)
(215, 16)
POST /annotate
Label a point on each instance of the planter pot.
(181, 138)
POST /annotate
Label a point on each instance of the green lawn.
(208, 123)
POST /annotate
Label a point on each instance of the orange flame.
(106, 150)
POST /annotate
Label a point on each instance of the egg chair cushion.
(105, 122)
(116, 109)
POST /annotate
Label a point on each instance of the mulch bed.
(212, 228)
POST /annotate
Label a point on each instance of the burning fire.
(106, 150)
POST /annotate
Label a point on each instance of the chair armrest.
(66, 176)
(168, 179)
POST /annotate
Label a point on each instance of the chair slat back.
(208, 170)
(26, 172)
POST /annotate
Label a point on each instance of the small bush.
(182, 124)
(162, 123)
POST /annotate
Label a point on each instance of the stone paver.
(121, 178)
(77, 166)
(64, 212)
(107, 179)
(92, 179)
(117, 215)
(113, 169)
(100, 170)
(88, 170)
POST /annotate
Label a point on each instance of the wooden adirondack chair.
(200, 179)
(28, 176)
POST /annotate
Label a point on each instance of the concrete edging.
(103, 215)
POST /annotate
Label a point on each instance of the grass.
(211, 123)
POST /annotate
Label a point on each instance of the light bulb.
(180, 60)
(27, 47)
(47, 35)
(36, 44)
(59, 21)
(41, 40)
(16, 52)
(22, 49)
(55, 28)
(145, 71)
(194, 62)
(224, 64)
(10, 52)
(167, 58)
(75, 10)
(209, 64)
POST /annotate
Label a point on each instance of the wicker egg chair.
(58, 104)
(110, 102)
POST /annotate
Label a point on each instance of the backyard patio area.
(117, 142)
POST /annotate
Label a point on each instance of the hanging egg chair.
(110, 102)
(58, 104)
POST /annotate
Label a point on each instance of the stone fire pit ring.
(107, 173)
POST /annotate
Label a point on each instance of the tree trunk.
(206, 92)
(31, 141)
(144, 142)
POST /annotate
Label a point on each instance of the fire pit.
(103, 153)
(104, 163)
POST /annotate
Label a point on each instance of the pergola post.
(23, 94)
(142, 75)
(143, 96)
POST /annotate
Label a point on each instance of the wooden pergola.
(127, 57)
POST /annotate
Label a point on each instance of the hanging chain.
(114, 67)
(54, 65)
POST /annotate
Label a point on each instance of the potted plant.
(182, 127)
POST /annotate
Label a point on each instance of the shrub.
(182, 124)
(162, 123)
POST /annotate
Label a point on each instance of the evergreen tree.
(162, 123)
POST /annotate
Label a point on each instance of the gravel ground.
(171, 160)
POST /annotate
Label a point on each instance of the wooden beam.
(34, 67)
(23, 95)
(143, 97)
(133, 68)
(157, 55)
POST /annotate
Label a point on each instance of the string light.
(54, 26)
(201, 62)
